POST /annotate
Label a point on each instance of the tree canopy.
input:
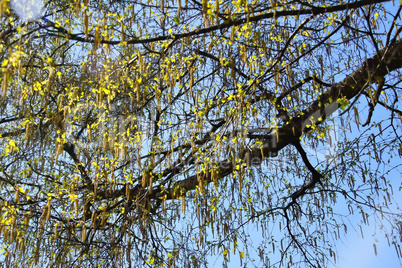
(165, 133)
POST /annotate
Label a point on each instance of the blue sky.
(356, 252)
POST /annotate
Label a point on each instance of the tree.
(155, 133)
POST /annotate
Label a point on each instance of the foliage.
(159, 133)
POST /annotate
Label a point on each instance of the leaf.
(343, 102)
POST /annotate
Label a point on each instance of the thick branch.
(382, 63)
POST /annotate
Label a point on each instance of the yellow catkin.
(77, 6)
(205, 6)
(84, 233)
(86, 24)
(103, 222)
(178, 8)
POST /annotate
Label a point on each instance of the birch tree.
(173, 133)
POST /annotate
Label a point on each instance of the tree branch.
(228, 24)
(387, 60)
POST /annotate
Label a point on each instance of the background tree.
(156, 133)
